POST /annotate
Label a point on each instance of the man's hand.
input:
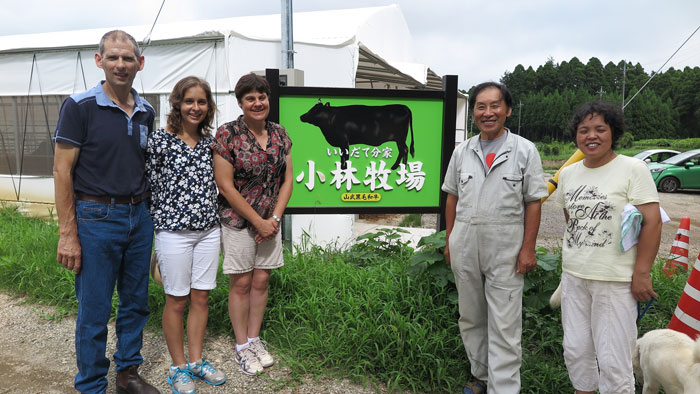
(642, 289)
(69, 253)
(526, 261)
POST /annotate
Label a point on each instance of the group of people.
(494, 185)
(117, 181)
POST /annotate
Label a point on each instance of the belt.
(117, 199)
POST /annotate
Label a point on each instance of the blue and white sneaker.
(180, 380)
(206, 372)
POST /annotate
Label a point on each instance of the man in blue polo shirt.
(105, 227)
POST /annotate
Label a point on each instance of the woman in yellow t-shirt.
(601, 284)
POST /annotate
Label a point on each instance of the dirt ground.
(37, 351)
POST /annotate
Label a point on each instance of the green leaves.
(430, 260)
(541, 283)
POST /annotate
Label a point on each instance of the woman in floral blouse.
(253, 169)
(184, 209)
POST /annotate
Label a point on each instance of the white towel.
(632, 225)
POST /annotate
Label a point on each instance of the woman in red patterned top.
(253, 170)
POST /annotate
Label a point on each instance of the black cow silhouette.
(363, 124)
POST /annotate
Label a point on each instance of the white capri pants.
(188, 259)
(600, 333)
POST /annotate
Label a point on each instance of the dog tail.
(636, 364)
(555, 299)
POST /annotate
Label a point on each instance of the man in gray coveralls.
(494, 183)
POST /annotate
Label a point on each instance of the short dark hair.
(505, 93)
(251, 82)
(176, 97)
(119, 35)
(612, 115)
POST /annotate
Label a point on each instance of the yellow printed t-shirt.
(595, 198)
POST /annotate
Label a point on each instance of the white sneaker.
(260, 349)
(250, 365)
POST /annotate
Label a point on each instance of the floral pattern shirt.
(257, 173)
(183, 192)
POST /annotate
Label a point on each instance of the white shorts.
(600, 333)
(242, 254)
(188, 259)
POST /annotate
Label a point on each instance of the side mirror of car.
(689, 164)
(647, 160)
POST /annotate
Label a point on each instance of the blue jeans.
(116, 242)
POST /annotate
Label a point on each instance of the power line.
(147, 39)
(659, 70)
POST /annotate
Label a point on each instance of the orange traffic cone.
(686, 318)
(679, 249)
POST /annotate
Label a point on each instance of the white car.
(655, 155)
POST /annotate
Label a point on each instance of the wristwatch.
(277, 218)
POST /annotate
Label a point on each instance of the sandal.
(476, 386)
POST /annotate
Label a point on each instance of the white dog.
(669, 359)
(555, 299)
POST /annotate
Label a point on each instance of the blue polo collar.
(103, 100)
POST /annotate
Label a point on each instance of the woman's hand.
(266, 228)
(642, 289)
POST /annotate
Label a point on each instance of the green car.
(681, 171)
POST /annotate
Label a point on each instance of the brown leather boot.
(129, 382)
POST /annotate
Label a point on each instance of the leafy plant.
(430, 260)
(541, 283)
(377, 245)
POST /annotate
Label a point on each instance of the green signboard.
(366, 150)
(360, 152)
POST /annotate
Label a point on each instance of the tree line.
(544, 99)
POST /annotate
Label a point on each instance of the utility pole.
(624, 76)
(287, 34)
(600, 93)
(520, 106)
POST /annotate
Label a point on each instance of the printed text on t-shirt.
(587, 208)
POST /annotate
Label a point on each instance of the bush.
(625, 141)
(686, 144)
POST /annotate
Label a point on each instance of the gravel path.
(38, 356)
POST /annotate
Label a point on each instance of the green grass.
(355, 313)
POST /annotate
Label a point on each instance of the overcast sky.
(474, 39)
